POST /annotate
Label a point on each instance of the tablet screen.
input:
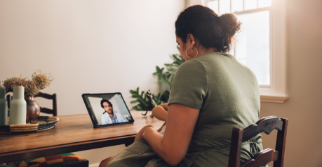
(107, 109)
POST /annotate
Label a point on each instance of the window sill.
(273, 99)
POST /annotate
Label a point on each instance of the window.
(261, 42)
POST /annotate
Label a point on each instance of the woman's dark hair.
(205, 25)
(104, 100)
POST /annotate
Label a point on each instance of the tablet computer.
(107, 109)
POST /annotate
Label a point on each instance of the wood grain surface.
(72, 133)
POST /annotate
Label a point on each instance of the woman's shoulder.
(215, 57)
(200, 64)
(190, 66)
(217, 61)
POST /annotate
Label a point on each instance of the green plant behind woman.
(165, 75)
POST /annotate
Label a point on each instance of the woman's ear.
(191, 41)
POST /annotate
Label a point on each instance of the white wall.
(304, 107)
(89, 46)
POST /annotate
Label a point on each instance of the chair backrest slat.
(52, 97)
(9, 98)
(46, 110)
(235, 147)
(262, 158)
(45, 95)
(281, 143)
(49, 97)
(267, 125)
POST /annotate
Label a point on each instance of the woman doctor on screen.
(109, 116)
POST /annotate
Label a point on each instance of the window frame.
(276, 92)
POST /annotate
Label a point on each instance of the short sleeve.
(189, 85)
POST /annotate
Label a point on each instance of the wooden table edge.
(65, 148)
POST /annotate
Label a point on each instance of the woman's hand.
(139, 135)
(165, 106)
(160, 112)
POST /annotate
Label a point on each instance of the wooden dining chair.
(66, 156)
(42, 109)
(49, 97)
(267, 125)
(9, 98)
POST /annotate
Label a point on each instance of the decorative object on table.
(3, 106)
(44, 122)
(151, 103)
(41, 81)
(18, 107)
(38, 82)
(40, 124)
(164, 77)
(33, 109)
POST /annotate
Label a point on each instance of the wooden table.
(72, 133)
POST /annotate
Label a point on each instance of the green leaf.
(165, 75)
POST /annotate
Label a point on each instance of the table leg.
(129, 142)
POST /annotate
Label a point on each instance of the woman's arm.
(173, 145)
(160, 112)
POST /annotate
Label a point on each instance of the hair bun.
(229, 23)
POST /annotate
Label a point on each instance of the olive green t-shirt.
(227, 94)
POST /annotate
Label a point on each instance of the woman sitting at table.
(210, 94)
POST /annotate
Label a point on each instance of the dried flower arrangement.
(13, 82)
(38, 82)
(41, 80)
(31, 88)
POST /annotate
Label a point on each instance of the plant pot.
(33, 109)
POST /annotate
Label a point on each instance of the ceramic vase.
(18, 107)
(33, 109)
(3, 107)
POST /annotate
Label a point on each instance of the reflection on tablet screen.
(107, 109)
(111, 116)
